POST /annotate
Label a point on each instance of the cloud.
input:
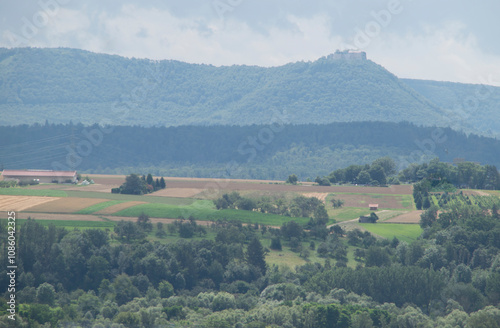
(447, 52)
(442, 41)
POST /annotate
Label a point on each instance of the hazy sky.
(438, 40)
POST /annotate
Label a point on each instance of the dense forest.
(450, 277)
(258, 151)
(84, 87)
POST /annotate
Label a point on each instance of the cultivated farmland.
(21, 203)
(66, 205)
(184, 197)
(319, 195)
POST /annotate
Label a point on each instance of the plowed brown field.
(96, 187)
(177, 192)
(230, 185)
(319, 195)
(410, 217)
(66, 205)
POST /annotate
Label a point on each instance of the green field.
(404, 232)
(205, 210)
(32, 192)
(99, 206)
(407, 201)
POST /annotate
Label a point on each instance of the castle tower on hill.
(348, 55)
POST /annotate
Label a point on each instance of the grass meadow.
(205, 210)
(404, 232)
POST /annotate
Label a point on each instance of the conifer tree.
(255, 255)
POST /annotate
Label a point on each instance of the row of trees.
(376, 173)
(463, 175)
(441, 176)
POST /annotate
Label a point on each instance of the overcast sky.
(437, 40)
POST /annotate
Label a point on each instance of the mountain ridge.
(63, 85)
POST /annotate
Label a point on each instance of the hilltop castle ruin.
(348, 54)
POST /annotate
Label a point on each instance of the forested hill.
(255, 151)
(470, 107)
(67, 84)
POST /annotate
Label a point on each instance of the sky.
(440, 40)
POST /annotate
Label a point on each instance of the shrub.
(276, 244)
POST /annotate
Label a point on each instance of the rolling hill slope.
(470, 107)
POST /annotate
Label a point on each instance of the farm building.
(372, 218)
(373, 207)
(42, 176)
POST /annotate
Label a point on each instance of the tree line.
(426, 177)
(307, 150)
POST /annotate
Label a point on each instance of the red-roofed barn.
(42, 176)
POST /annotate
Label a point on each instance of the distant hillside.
(238, 151)
(63, 85)
(470, 107)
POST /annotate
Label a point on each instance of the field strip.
(319, 195)
(52, 216)
(409, 217)
(386, 215)
(154, 220)
(21, 203)
(229, 185)
(67, 205)
(95, 188)
(177, 192)
(118, 207)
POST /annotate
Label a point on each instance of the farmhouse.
(42, 176)
(373, 207)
